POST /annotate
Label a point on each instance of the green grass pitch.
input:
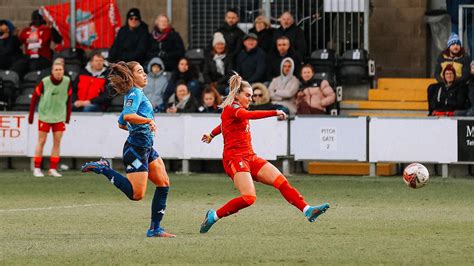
(83, 219)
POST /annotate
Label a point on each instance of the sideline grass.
(82, 219)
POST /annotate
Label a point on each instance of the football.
(416, 175)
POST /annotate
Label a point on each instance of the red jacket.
(89, 87)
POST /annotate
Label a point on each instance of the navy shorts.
(136, 158)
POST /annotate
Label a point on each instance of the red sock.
(53, 162)
(289, 193)
(234, 205)
(38, 160)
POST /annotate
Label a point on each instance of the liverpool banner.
(97, 22)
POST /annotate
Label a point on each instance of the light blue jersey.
(135, 102)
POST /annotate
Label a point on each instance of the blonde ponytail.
(236, 83)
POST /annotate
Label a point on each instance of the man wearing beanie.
(454, 55)
(131, 43)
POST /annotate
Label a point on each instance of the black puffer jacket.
(210, 70)
(169, 50)
(446, 99)
(251, 65)
(130, 45)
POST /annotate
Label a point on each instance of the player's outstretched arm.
(245, 114)
(207, 138)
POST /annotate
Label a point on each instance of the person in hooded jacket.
(315, 95)
(9, 44)
(166, 43)
(157, 83)
(90, 89)
(132, 40)
(283, 88)
(448, 97)
(218, 64)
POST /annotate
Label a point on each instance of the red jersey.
(235, 129)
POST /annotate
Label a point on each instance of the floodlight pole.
(169, 9)
(72, 19)
(267, 9)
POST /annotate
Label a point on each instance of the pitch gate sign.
(466, 140)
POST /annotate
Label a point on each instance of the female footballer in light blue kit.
(141, 161)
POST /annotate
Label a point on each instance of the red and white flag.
(97, 22)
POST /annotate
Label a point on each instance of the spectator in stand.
(456, 56)
(54, 96)
(294, 33)
(90, 88)
(166, 43)
(232, 33)
(452, 6)
(283, 50)
(218, 64)
(470, 111)
(250, 61)
(315, 95)
(157, 83)
(9, 44)
(264, 31)
(211, 99)
(132, 40)
(449, 97)
(182, 101)
(36, 40)
(283, 88)
(184, 72)
(261, 99)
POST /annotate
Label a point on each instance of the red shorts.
(251, 164)
(46, 127)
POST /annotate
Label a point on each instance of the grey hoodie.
(283, 89)
(157, 83)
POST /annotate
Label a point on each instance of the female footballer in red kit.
(241, 163)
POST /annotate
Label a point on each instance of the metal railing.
(466, 19)
(336, 24)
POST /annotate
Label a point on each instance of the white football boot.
(54, 173)
(37, 172)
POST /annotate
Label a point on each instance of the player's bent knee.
(249, 199)
(138, 195)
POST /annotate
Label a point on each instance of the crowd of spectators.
(270, 59)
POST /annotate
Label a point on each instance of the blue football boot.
(313, 212)
(96, 167)
(158, 232)
(208, 221)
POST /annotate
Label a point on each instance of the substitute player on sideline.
(141, 161)
(241, 163)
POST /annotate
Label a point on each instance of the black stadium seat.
(353, 68)
(22, 103)
(196, 58)
(323, 61)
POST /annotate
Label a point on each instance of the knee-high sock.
(53, 162)
(119, 181)
(289, 193)
(236, 204)
(158, 206)
(38, 160)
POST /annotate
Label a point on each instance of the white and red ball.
(416, 175)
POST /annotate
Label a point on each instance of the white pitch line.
(52, 208)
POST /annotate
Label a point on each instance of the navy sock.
(119, 181)
(158, 206)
